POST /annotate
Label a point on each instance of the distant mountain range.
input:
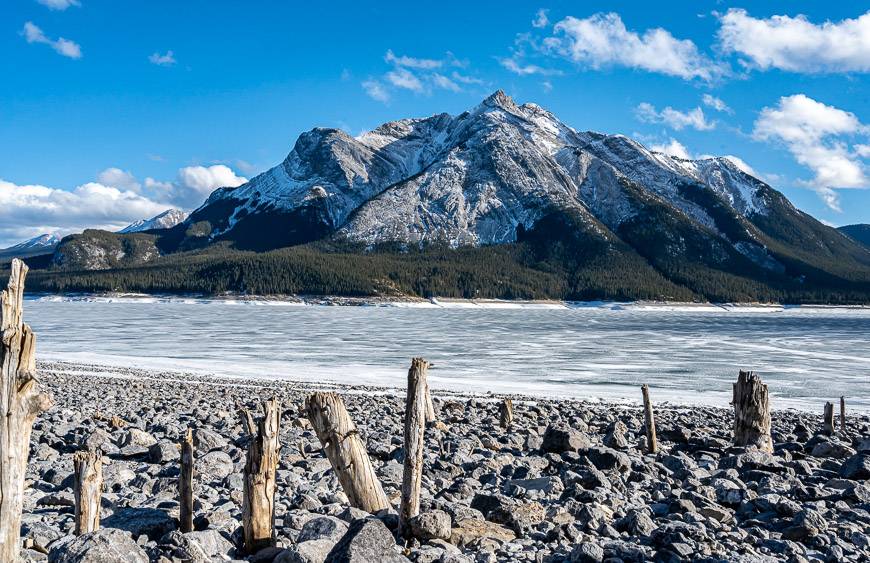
(583, 214)
(860, 232)
(41, 244)
(165, 220)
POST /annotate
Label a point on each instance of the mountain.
(41, 244)
(500, 193)
(859, 232)
(165, 220)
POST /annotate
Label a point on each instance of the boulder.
(312, 551)
(366, 540)
(139, 521)
(559, 437)
(103, 546)
(431, 525)
(137, 437)
(856, 467)
(470, 530)
(163, 451)
(214, 466)
(323, 528)
(607, 458)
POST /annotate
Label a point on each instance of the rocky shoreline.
(569, 481)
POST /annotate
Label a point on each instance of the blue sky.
(113, 111)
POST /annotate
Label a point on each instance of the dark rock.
(323, 527)
(856, 467)
(365, 541)
(559, 437)
(150, 522)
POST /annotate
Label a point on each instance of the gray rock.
(806, 524)
(214, 466)
(207, 440)
(366, 541)
(559, 437)
(607, 458)
(431, 525)
(313, 551)
(322, 528)
(139, 521)
(856, 467)
(107, 545)
(163, 451)
(587, 552)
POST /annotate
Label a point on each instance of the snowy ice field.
(688, 354)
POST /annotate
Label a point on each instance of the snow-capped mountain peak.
(165, 220)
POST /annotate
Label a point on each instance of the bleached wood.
(346, 451)
(828, 419)
(21, 402)
(87, 490)
(185, 483)
(261, 466)
(652, 443)
(751, 412)
(415, 428)
(506, 413)
(431, 416)
(843, 415)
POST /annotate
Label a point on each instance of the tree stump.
(185, 484)
(258, 502)
(652, 444)
(843, 415)
(828, 419)
(751, 412)
(415, 426)
(346, 451)
(431, 417)
(506, 413)
(20, 403)
(87, 489)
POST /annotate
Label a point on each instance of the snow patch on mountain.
(165, 220)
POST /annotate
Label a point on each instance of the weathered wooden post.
(346, 451)
(506, 413)
(415, 426)
(185, 484)
(843, 414)
(431, 417)
(87, 489)
(652, 443)
(21, 402)
(258, 502)
(828, 419)
(751, 412)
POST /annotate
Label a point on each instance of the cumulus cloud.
(65, 47)
(189, 189)
(59, 4)
(817, 136)
(541, 19)
(418, 75)
(166, 59)
(715, 103)
(602, 41)
(796, 44)
(672, 148)
(673, 118)
(206, 179)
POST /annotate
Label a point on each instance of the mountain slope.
(41, 244)
(165, 220)
(860, 233)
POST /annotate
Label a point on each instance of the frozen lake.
(685, 354)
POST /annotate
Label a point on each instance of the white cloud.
(166, 59)
(445, 83)
(206, 179)
(816, 135)
(59, 4)
(673, 118)
(404, 78)
(118, 178)
(376, 90)
(65, 47)
(191, 186)
(547, 86)
(541, 19)
(602, 40)
(418, 75)
(715, 103)
(795, 44)
(411, 62)
(672, 148)
(511, 64)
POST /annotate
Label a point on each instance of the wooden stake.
(506, 413)
(185, 483)
(88, 485)
(843, 414)
(751, 412)
(652, 443)
(828, 419)
(20, 403)
(258, 502)
(431, 417)
(346, 451)
(415, 426)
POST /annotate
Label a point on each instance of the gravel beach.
(569, 481)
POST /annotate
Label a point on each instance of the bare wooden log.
(751, 412)
(843, 414)
(21, 401)
(652, 443)
(261, 466)
(185, 484)
(346, 451)
(415, 427)
(87, 489)
(828, 419)
(431, 417)
(506, 413)
(248, 424)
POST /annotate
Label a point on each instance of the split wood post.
(346, 451)
(843, 414)
(258, 503)
(652, 443)
(21, 401)
(185, 483)
(751, 412)
(87, 489)
(431, 417)
(506, 413)
(415, 427)
(828, 419)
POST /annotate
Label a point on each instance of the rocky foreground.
(568, 482)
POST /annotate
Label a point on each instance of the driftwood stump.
(415, 426)
(87, 489)
(506, 413)
(258, 503)
(828, 419)
(652, 443)
(431, 417)
(346, 451)
(185, 483)
(751, 412)
(20, 403)
(843, 414)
